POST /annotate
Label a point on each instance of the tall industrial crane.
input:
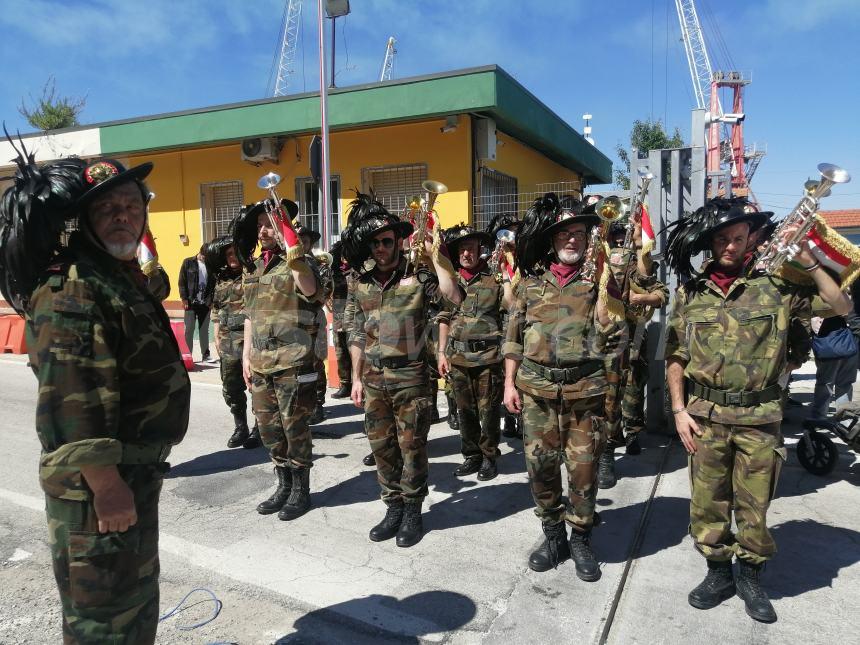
(741, 159)
(289, 40)
(388, 61)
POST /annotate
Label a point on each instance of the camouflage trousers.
(282, 406)
(344, 362)
(478, 393)
(108, 582)
(232, 383)
(624, 423)
(397, 423)
(734, 467)
(560, 431)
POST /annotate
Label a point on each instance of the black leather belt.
(744, 399)
(394, 363)
(564, 374)
(473, 345)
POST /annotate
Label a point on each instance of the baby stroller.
(816, 451)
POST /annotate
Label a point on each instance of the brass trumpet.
(504, 237)
(273, 205)
(608, 210)
(420, 209)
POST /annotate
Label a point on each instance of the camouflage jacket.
(342, 311)
(620, 259)
(558, 328)
(111, 378)
(390, 324)
(477, 318)
(284, 322)
(227, 307)
(740, 341)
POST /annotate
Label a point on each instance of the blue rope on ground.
(185, 628)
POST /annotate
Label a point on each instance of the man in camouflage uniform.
(227, 309)
(642, 293)
(322, 266)
(555, 373)
(113, 398)
(733, 334)
(470, 352)
(342, 279)
(282, 296)
(389, 368)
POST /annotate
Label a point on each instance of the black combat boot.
(389, 525)
(587, 567)
(718, 585)
(240, 419)
(453, 415)
(279, 497)
(757, 603)
(343, 391)
(253, 440)
(299, 501)
(369, 460)
(633, 448)
(554, 549)
(317, 416)
(411, 527)
(606, 468)
(469, 466)
(509, 425)
(488, 470)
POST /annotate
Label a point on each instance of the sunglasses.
(385, 242)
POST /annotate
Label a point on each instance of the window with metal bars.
(394, 185)
(308, 199)
(498, 195)
(219, 204)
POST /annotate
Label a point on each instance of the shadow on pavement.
(219, 462)
(667, 526)
(396, 621)
(810, 557)
(470, 504)
(361, 488)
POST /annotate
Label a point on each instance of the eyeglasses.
(385, 242)
(579, 236)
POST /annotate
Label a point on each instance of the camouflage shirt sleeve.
(676, 329)
(357, 334)
(799, 327)
(513, 345)
(349, 307)
(75, 364)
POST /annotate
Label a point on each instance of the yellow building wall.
(178, 176)
(528, 165)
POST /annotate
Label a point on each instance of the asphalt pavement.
(319, 579)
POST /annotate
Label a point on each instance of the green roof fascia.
(519, 113)
(348, 108)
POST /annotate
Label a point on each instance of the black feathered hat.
(546, 215)
(35, 213)
(692, 234)
(456, 234)
(103, 175)
(366, 218)
(215, 254)
(245, 232)
(503, 221)
(301, 229)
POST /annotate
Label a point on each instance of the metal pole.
(324, 206)
(333, 51)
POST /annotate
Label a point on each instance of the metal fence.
(488, 203)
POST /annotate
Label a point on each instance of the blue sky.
(618, 60)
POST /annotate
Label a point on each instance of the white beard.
(569, 257)
(122, 251)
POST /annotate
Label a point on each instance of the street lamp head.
(336, 8)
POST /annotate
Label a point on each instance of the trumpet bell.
(269, 181)
(609, 208)
(834, 173)
(416, 202)
(644, 173)
(434, 187)
(506, 236)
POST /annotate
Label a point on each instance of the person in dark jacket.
(196, 289)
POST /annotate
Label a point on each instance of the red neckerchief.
(564, 273)
(725, 279)
(467, 275)
(267, 254)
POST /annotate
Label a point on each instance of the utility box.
(485, 139)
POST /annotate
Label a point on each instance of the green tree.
(645, 135)
(52, 112)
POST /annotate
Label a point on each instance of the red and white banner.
(648, 237)
(825, 253)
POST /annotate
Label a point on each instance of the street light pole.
(325, 186)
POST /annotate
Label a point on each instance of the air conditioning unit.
(260, 149)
